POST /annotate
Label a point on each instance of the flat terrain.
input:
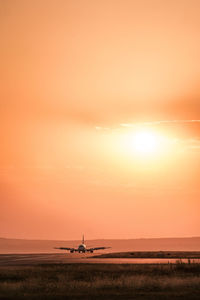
(117, 245)
(100, 281)
(68, 258)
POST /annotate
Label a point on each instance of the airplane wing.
(63, 248)
(98, 248)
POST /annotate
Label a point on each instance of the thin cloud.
(158, 122)
(150, 123)
(102, 128)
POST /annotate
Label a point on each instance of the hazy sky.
(99, 118)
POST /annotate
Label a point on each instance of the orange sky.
(79, 80)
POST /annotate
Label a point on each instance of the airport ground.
(99, 281)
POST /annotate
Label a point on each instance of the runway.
(61, 258)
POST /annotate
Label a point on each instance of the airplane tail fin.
(83, 240)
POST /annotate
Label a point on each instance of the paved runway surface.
(35, 259)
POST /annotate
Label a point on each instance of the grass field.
(101, 281)
(151, 254)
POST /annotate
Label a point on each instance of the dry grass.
(84, 281)
(152, 254)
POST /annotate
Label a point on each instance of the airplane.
(82, 248)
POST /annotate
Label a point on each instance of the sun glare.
(143, 142)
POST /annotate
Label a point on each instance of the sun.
(143, 142)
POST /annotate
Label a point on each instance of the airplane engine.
(71, 251)
(91, 251)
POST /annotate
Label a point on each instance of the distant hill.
(118, 245)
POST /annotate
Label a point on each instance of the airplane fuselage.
(82, 248)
